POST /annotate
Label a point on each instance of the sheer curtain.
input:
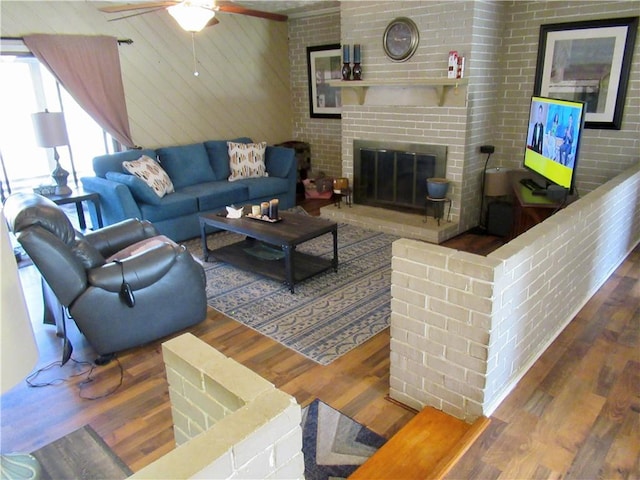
(89, 69)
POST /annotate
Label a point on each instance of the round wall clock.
(400, 40)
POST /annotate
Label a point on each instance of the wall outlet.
(487, 149)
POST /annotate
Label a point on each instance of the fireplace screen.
(394, 175)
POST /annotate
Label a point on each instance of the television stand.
(529, 206)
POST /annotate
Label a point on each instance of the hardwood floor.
(574, 414)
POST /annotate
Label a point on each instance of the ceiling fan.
(191, 15)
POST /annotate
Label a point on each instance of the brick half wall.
(466, 328)
(228, 421)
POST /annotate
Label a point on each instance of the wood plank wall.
(242, 90)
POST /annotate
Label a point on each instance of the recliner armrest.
(113, 238)
(140, 271)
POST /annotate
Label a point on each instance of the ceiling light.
(191, 16)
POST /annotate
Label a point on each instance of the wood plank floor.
(574, 414)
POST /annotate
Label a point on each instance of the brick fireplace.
(393, 174)
(395, 202)
(390, 189)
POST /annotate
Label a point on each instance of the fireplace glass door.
(391, 178)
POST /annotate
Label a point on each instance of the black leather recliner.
(168, 285)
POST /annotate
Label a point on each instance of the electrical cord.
(481, 224)
(33, 376)
(30, 380)
(89, 379)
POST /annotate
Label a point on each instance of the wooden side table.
(78, 196)
(438, 208)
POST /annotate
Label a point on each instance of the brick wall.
(364, 23)
(603, 153)
(499, 40)
(465, 328)
(483, 69)
(323, 134)
(228, 421)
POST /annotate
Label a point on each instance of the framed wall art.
(324, 63)
(588, 61)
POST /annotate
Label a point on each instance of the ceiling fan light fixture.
(192, 17)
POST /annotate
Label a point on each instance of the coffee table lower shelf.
(304, 265)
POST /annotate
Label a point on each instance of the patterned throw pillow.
(246, 160)
(151, 173)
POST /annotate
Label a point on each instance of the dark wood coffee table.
(291, 231)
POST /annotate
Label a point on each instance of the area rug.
(81, 454)
(334, 445)
(329, 314)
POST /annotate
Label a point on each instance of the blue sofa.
(199, 174)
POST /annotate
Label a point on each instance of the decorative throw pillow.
(151, 173)
(246, 160)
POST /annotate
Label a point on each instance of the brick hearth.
(406, 225)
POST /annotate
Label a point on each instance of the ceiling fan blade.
(136, 6)
(212, 22)
(136, 14)
(228, 7)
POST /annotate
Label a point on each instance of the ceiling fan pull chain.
(195, 60)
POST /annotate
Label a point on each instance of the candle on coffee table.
(264, 209)
(273, 209)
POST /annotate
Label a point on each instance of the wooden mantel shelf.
(362, 87)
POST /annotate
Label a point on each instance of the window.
(28, 87)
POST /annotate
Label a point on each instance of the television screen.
(553, 138)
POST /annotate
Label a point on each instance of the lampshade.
(496, 182)
(18, 349)
(192, 16)
(50, 129)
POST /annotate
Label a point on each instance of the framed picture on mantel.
(588, 61)
(324, 63)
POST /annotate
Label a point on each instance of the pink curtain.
(89, 69)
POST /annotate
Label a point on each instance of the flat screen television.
(553, 139)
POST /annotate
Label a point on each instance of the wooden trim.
(447, 463)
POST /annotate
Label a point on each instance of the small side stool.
(341, 190)
(438, 208)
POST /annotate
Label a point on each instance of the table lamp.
(496, 182)
(51, 131)
(18, 349)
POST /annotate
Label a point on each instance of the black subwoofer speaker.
(499, 218)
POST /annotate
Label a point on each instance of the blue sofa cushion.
(215, 195)
(218, 153)
(186, 164)
(171, 206)
(139, 189)
(264, 187)
(277, 166)
(113, 162)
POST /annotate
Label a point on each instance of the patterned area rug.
(329, 314)
(333, 444)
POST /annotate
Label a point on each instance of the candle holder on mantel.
(346, 71)
(357, 71)
(357, 68)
